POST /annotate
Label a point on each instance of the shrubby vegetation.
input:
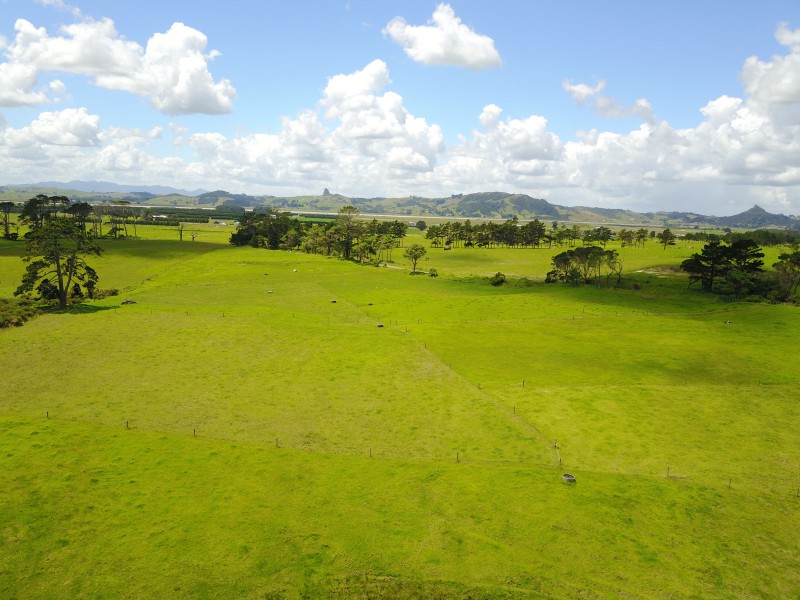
(14, 313)
(498, 279)
(347, 236)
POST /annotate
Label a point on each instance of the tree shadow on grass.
(149, 248)
(76, 309)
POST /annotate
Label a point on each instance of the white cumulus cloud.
(172, 71)
(777, 80)
(445, 40)
(362, 140)
(18, 86)
(68, 127)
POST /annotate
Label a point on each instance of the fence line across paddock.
(786, 482)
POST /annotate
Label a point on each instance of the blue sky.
(648, 106)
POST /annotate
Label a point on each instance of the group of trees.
(347, 235)
(737, 269)
(488, 234)
(762, 237)
(585, 264)
(532, 234)
(733, 266)
(115, 219)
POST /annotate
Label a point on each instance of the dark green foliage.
(598, 235)
(788, 270)
(41, 208)
(508, 233)
(264, 229)
(584, 265)
(347, 230)
(497, 279)
(414, 253)
(533, 233)
(732, 268)
(346, 236)
(762, 237)
(14, 312)
(666, 238)
(6, 208)
(55, 255)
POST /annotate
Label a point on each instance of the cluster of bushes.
(14, 312)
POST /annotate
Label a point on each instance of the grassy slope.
(289, 394)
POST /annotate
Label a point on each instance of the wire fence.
(769, 478)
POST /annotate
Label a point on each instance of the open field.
(236, 433)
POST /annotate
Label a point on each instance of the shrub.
(14, 313)
(100, 294)
(498, 279)
(433, 272)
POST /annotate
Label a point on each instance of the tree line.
(762, 237)
(532, 234)
(117, 218)
(346, 236)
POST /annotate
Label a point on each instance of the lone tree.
(666, 238)
(6, 208)
(788, 270)
(56, 267)
(414, 253)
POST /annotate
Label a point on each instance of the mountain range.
(105, 187)
(482, 205)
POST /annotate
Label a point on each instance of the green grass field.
(236, 433)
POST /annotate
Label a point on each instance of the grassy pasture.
(279, 444)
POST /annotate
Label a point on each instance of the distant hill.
(108, 187)
(500, 204)
(219, 197)
(480, 205)
(754, 218)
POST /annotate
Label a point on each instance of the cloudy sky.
(680, 105)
